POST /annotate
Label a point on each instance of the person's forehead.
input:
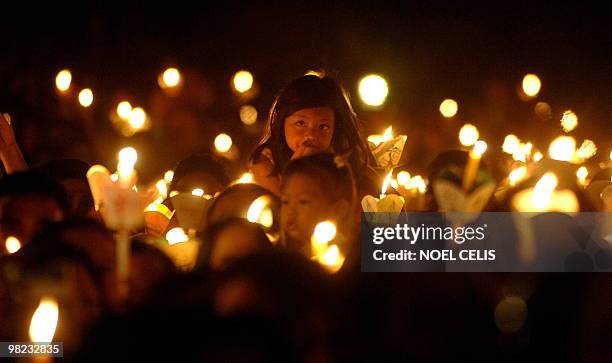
(315, 112)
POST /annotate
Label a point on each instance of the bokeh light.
(63, 80)
(569, 121)
(531, 85)
(86, 97)
(223, 142)
(242, 81)
(373, 90)
(468, 135)
(248, 115)
(449, 108)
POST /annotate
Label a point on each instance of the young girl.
(316, 188)
(312, 114)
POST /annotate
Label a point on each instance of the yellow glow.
(378, 139)
(417, 182)
(582, 174)
(86, 97)
(170, 78)
(537, 156)
(44, 321)
(125, 167)
(176, 235)
(63, 80)
(128, 155)
(259, 212)
(162, 188)
(223, 142)
(137, 118)
(517, 175)
(248, 115)
(168, 176)
(373, 90)
(468, 135)
(198, 192)
(324, 232)
(562, 148)
(510, 314)
(523, 151)
(173, 193)
(479, 148)
(543, 110)
(403, 178)
(543, 190)
(12, 245)
(246, 178)
(586, 150)
(394, 184)
(266, 218)
(386, 182)
(124, 109)
(569, 121)
(243, 81)
(449, 108)
(114, 177)
(511, 144)
(531, 85)
(332, 259)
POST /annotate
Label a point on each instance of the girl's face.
(304, 204)
(310, 130)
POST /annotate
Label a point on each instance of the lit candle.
(44, 321)
(125, 167)
(323, 233)
(332, 259)
(544, 198)
(517, 175)
(471, 169)
(582, 174)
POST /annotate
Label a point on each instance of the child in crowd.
(316, 188)
(311, 115)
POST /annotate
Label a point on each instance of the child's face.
(310, 130)
(304, 204)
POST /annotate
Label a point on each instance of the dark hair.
(204, 163)
(307, 92)
(36, 183)
(330, 170)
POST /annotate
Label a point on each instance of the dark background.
(476, 54)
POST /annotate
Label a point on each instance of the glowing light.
(510, 314)
(170, 78)
(176, 235)
(378, 139)
(523, 152)
(569, 121)
(543, 190)
(12, 244)
(223, 142)
(403, 178)
(243, 81)
(124, 110)
(479, 148)
(417, 182)
(582, 174)
(86, 97)
(586, 150)
(324, 232)
(332, 259)
(198, 192)
(168, 176)
(373, 90)
(162, 188)
(137, 118)
(259, 212)
(114, 177)
(449, 108)
(543, 110)
(246, 178)
(531, 85)
(125, 167)
(44, 321)
(537, 156)
(385, 185)
(248, 115)
(63, 80)
(562, 148)
(511, 144)
(128, 155)
(517, 175)
(173, 193)
(468, 135)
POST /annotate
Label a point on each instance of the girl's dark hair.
(330, 170)
(311, 91)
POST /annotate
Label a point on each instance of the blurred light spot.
(248, 115)
(511, 144)
(562, 148)
(510, 314)
(543, 110)
(587, 150)
(124, 109)
(403, 178)
(12, 245)
(468, 135)
(531, 85)
(537, 156)
(170, 78)
(223, 142)
(198, 192)
(44, 321)
(86, 97)
(137, 118)
(373, 90)
(569, 121)
(168, 176)
(517, 175)
(63, 80)
(176, 235)
(242, 81)
(449, 108)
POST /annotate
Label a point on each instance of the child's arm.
(10, 154)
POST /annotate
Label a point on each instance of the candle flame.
(323, 233)
(332, 259)
(379, 139)
(44, 321)
(246, 178)
(569, 121)
(63, 80)
(517, 175)
(385, 185)
(176, 235)
(582, 174)
(12, 244)
(168, 176)
(403, 178)
(162, 188)
(468, 135)
(257, 211)
(479, 148)
(511, 144)
(562, 148)
(198, 192)
(586, 150)
(537, 156)
(543, 190)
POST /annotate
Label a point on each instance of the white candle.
(471, 168)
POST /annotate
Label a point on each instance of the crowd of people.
(254, 293)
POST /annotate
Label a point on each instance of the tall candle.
(471, 168)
